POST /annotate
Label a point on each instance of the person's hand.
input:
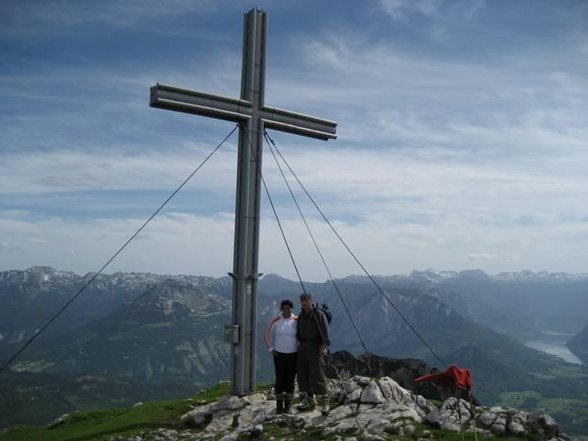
(323, 350)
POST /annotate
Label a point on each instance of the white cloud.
(174, 243)
(401, 9)
(438, 157)
(490, 257)
(387, 237)
(71, 170)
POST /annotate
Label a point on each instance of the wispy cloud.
(71, 170)
(489, 257)
(447, 156)
(401, 9)
(34, 16)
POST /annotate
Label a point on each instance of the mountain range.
(132, 337)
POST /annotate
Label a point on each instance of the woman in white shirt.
(280, 340)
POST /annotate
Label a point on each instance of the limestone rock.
(494, 421)
(361, 408)
(372, 394)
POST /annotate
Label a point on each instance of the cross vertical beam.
(247, 207)
(253, 117)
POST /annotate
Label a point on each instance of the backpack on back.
(325, 309)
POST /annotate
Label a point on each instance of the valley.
(159, 337)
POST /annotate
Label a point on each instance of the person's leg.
(316, 374)
(290, 371)
(304, 381)
(318, 381)
(302, 372)
(280, 361)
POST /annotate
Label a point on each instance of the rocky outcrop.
(360, 407)
(402, 370)
(494, 421)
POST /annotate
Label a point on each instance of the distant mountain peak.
(171, 294)
(433, 275)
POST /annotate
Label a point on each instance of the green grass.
(570, 413)
(32, 366)
(519, 399)
(102, 424)
(569, 371)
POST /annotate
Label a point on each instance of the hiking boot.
(287, 407)
(324, 403)
(287, 396)
(303, 396)
(279, 407)
(307, 405)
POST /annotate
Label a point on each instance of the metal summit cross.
(253, 116)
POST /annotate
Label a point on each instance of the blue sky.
(462, 134)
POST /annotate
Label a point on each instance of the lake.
(554, 343)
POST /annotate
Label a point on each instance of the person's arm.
(324, 329)
(268, 334)
(324, 324)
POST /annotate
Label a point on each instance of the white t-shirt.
(281, 334)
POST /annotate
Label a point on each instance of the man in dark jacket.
(313, 343)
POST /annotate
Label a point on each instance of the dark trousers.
(285, 367)
(311, 376)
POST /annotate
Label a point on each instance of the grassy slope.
(102, 424)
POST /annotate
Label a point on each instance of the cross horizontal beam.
(237, 110)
